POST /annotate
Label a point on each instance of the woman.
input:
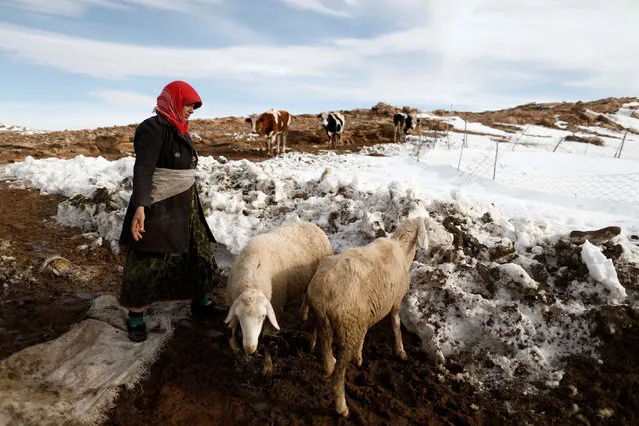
(170, 255)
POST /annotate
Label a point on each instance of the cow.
(405, 121)
(273, 125)
(333, 123)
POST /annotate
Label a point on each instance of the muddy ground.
(198, 381)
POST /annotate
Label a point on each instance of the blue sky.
(87, 63)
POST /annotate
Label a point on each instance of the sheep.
(353, 290)
(271, 270)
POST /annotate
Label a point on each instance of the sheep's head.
(250, 309)
(429, 234)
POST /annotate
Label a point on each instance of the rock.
(383, 108)
(486, 218)
(502, 253)
(539, 273)
(57, 265)
(596, 237)
(595, 140)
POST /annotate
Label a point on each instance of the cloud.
(335, 8)
(76, 8)
(114, 60)
(119, 98)
(73, 8)
(69, 116)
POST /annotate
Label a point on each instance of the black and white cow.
(333, 123)
(405, 122)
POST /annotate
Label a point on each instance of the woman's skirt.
(152, 277)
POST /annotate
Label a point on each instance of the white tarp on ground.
(76, 378)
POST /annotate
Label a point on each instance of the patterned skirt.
(152, 277)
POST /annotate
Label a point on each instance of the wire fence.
(612, 187)
(486, 168)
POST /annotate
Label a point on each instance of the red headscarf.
(170, 102)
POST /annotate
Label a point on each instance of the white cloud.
(75, 8)
(589, 37)
(124, 99)
(335, 8)
(114, 60)
(71, 116)
(62, 7)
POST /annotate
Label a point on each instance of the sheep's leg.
(313, 339)
(284, 135)
(269, 344)
(395, 135)
(359, 359)
(326, 344)
(232, 343)
(267, 371)
(268, 145)
(347, 348)
(399, 346)
(339, 376)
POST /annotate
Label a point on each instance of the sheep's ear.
(231, 313)
(422, 234)
(270, 313)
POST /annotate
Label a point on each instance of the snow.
(19, 129)
(500, 318)
(602, 269)
(623, 117)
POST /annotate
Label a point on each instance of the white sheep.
(273, 269)
(353, 290)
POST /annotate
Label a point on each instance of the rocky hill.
(231, 137)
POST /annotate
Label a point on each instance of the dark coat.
(158, 143)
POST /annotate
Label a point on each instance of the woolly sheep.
(273, 269)
(353, 290)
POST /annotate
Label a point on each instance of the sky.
(69, 64)
(516, 331)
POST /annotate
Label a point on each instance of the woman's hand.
(137, 226)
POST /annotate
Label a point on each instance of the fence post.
(618, 153)
(496, 154)
(450, 112)
(520, 136)
(460, 157)
(561, 139)
(465, 134)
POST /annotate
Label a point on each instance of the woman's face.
(187, 110)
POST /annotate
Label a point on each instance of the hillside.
(230, 136)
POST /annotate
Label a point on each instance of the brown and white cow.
(273, 125)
